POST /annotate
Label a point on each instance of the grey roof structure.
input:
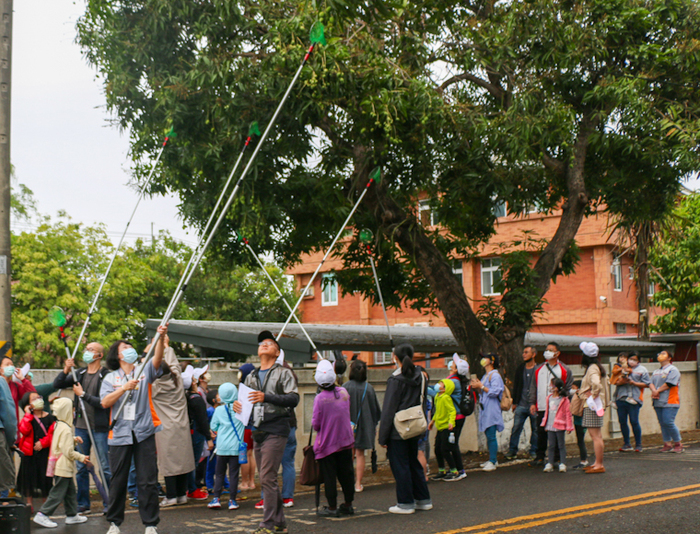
(242, 337)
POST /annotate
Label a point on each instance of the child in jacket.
(229, 435)
(63, 448)
(557, 421)
(35, 435)
(444, 421)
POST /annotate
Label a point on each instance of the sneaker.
(134, 502)
(562, 468)
(548, 468)
(287, 503)
(359, 489)
(233, 505)
(398, 510)
(113, 529)
(668, 447)
(344, 509)
(424, 506)
(490, 466)
(581, 465)
(327, 512)
(215, 504)
(439, 476)
(450, 476)
(182, 499)
(42, 520)
(83, 509)
(487, 463)
(536, 463)
(626, 448)
(151, 530)
(678, 447)
(198, 495)
(511, 456)
(75, 519)
(638, 449)
(456, 476)
(260, 505)
(168, 502)
(262, 530)
(280, 529)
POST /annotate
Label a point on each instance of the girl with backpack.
(490, 389)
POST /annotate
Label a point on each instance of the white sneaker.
(75, 519)
(151, 530)
(397, 510)
(44, 521)
(113, 529)
(168, 502)
(489, 466)
(548, 468)
(562, 468)
(182, 499)
(426, 506)
(489, 462)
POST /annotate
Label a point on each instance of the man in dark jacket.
(521, 404)
(275, 397)
(88, 388)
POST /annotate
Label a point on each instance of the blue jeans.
(131, 485)
(83, 476)
(522, 414)
(198, 441)
(667, 421)
(492, 443)
(288, 471)
(626, 410)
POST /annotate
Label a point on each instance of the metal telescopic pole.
(381, 298)
(180, 292)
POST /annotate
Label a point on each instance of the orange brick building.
(599, 299)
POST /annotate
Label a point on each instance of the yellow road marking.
(569, 510)
(589, 513)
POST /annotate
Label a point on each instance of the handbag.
(243, 446)
(577, 405)
(506, 399)
(51, 465)
(310, 474)
(362, 402)
(411, 422)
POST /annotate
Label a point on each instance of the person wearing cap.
(248, 469)
(133, 433)
(490, 389)
(665, 385)
(593, 385)
(173, 442)
(88, 388)
(539, 390)
(201, 432)
(275, 395)
(521, 404)
(334, 441)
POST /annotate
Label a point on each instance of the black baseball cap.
(265, 335)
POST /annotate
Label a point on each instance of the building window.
(620, 328)
(490, 276)
(652, 289)
(616, 270)
(426, 214)
(330, 290)
(381, 358)
(499, 209)
(458, 271)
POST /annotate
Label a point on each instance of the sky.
(62, 146)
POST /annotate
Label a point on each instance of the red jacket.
(18, 391)
(26, 435)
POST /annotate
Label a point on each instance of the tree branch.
(495, 91)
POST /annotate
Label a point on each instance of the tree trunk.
(643, 237)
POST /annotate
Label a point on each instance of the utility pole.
(5, 93)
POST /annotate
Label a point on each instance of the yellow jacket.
(445, 412)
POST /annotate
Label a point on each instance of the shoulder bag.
(310, 474)
(242, 445)
(411, 423)
(359, 412)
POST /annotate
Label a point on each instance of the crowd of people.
(146, 418)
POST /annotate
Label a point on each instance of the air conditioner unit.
(309, 293)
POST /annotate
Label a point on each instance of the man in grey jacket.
(275, 397)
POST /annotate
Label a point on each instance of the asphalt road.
(640, 494)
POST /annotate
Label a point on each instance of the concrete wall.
(471, 440)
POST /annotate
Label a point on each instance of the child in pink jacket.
(557, 421)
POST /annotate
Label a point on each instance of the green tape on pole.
(171, 133)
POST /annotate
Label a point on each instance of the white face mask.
(548, 355)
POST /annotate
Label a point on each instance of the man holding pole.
(88, 388)
(275, 397)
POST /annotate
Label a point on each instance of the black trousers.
(408, 472)
(448, 451)
(176, 486)
(222, 462)
(581, 441)
(337, 467)
(542, 440)
(144, 455)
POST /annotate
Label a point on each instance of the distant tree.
(675, 260)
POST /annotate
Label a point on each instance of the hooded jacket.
(445, 412)
(26, 435)
(227, 440)
(281, 397)
(63, 444)
(401, 393)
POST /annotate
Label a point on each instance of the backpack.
(468, 400)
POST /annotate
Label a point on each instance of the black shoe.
(327, 512)
(344, 509)
(280, 529)
(511, 457)
(450, 476)
(439, 476)
(536, 463)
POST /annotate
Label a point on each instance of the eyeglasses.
(267, 344)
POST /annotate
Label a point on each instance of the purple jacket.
(331, 421)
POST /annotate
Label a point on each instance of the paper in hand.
(246, 406)
(596, 405)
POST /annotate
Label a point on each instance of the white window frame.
(458, 270)
(490, 268)
(616, 271)
(620, 328)
(651, 290)
(327, 290)
(499, 205)
(424, 205)
(382, 358)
